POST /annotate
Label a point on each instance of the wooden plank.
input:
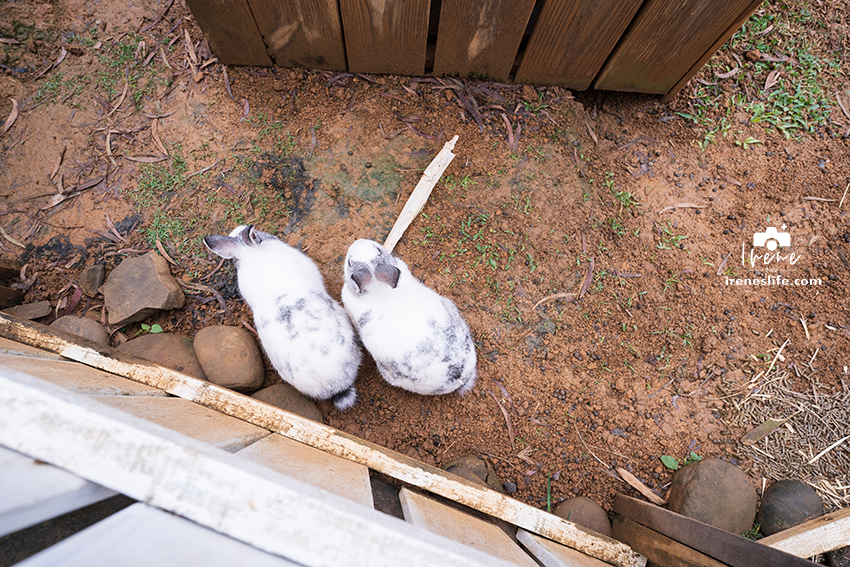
(198, 422)
(231, 31)
(302, 462)
(322, 437)
(572, 40)
(211, 487)
(302, 33)
(665, 40)
(734, 27)
(382, 36)
(452, 523)
(658, 548)
(15, 348)
(551, 554)
(728, 548)
(80, 379)
(480, 38)
(32, 492)
(149, 537)
(816, 536)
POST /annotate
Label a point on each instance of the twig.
(828, 449)
(588, 279)
(567, 296)
(588, 448)
(635, 483)
(680, 206)
(843, 196)
(12, 116)
(507, 418)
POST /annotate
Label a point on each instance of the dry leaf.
(12, 116)
(772, 79)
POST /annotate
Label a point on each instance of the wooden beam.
(302, 33)
(385, 37)
(659, 548)
(480, 38)
(220, 491)
(322, 437)
(712, 50)
(818, 535)
(231, 31)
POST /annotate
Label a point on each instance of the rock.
(82, 327)
(10, 297)
(787, 503)
(167, 349)
(288, 398)
(140, 287)
(529, 94)
(585, 512)
(30, 311)
(715, 493)
(91, 279)
(476, 470)
(230, 357)
(510, 487)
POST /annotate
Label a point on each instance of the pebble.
(82, 327)
(166, 349)
(230, 357)
(286, 397)
(140, 287)
(585, 512)
(30, 311)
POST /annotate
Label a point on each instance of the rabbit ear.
(387, 274)
(361, 278)
(224, 246)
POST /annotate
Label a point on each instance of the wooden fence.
(651, 46)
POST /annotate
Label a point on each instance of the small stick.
(843, 196)
(164, 253)
(828, 449)
(420, 194)
(640, 487)
(507, 419)
(680, 206)
(567, 296)
(805, 328)
(779, 352)
(14, 116)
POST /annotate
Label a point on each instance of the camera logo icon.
(771, 238)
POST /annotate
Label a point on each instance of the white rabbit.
(305, 332)
(417, 337)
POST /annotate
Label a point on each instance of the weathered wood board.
(213, 488)
(462, 527)
(572, 39)
(659, 548)
(143, 536)
(198, 422)
(814, 537)
(320, 436)
(551, 554)
(32, 492)
(382, 36)
(304, 463)
(480, 38)
(231, 31)
(301, 33)
(663, 42)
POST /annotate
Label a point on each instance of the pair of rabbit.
(417, 338)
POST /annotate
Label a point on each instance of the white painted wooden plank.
(190, 419)
(143, 536)
(462, 527)
(328, 439)
(213, 488)
(552, 554)
(81, 379)
(32, 492)
(344, 478)
(814, 537)
(19, 349)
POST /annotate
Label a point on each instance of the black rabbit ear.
(387, 274)
(361, 278)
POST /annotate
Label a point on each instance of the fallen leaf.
(12, 116)
(772, 79)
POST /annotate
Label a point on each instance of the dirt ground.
(595, 251)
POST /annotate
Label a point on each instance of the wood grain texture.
(819, 535)
(711, 51)
(150, 537)
(551, 554)
(383, 36)
(572, 39)
(665, 40)
(302, 33)
(231, 31)
(480, 37)
(233, 496)
(322, 437)
(32, 492)
(659, 548)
